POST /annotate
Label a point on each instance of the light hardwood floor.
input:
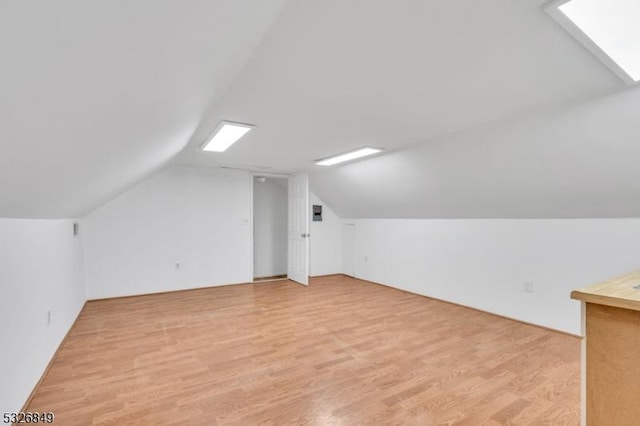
(341, 351)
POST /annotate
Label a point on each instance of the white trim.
(272, 175)
(252, 242)
(254, 171)
(253, 175)
(552, 9)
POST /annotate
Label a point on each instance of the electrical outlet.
(528, 286)
(366, 259)
(48, 317)
(177, 266)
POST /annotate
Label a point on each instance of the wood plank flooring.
(339, 352)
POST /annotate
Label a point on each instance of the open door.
(298, 246)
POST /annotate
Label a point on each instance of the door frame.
(252, 242)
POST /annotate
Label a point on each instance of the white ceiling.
(335, 75)
(98, 95)
(574, 162)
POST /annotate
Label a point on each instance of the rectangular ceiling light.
(347, 156)
(225, 135)
(610, 29)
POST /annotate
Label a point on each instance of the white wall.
(349, 249)
(484, 263)
(270, 227)
(40, 271)
(326, 241)
(196, 217)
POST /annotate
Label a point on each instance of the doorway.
(270, 228)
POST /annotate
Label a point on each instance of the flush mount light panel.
(225, 135)
(347, 156)
(610, 29)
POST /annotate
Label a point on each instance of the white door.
(298, 247)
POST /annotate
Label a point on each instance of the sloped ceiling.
(472, 101)
(574, 162)
(334, 75)
(95, 95)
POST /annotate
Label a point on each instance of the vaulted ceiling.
(572, 162)
(485, 109)
(96, 95)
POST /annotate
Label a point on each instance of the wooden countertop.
(620, 292)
